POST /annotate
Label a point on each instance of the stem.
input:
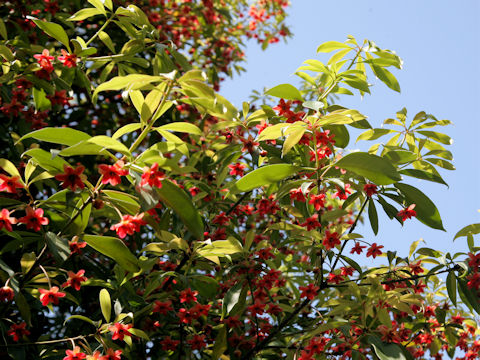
(47, 342)
(349, 232)
(100, 30)
(149, 126)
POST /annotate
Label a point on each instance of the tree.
(144, 216)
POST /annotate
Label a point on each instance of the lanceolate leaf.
(52, 29)
(372, 215)
(468, 230)
(285, 91)
(180, 202)
(264, 176)
(63, 135)
(378, 170)
(105, 304)
(115, 249)
(386, 351)
(452, 287)
(424, 175)
(426, 210)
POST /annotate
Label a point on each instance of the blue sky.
(439, 44)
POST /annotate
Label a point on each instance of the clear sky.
(439, 43)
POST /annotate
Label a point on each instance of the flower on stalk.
(6, 221)
(407, 213)
(9, 184)
(52, 295)
(17, 331)
(75, 354)
(75, 280)
(44, 60)
(120, 331)
(6, 294)
(68, 60)
(33, 219)
(112, 355)
(128, 225)
(310, 291)
(374, 250)
(112, 173)
(370, 189)
(72, 178)
(152, 176)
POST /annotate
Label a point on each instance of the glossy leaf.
(113, 248)
(386, 351)
(62, 135)
(52, 29)
(105, 304)
(373, 167)
(452, 287)
(84, 14)
(58, 246)
(176, 199)
(264, 176)
(472, 229)
(285, 91)
(426, 210)
(372, 215)
(424, 175)
(220, 344)
(183, 127)
(330, 46)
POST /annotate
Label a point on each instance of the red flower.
(318, 201)
(221, 219)
(342, 194)
(283, 107)
(297, 194)
(407, 213)
(111, 173)
(162, 307)
(18, 331)
(197, 342)
(60, 98)
(249, 144)
(6, 294)
(374, 250)
(188, 296)
(265, 254)
(128, 225)
(331, 240)
(75, 280)
(169, 344)
(9, 184)
(112, 355)
(347, 271)
(185, 316)
(312, 222)
(310, 291)
(416, 268)
(44, 60)
(473, 281)
(72, 178)
(474, 261)
(68, 60)
(74, 354)
(237, 169)
(335, 278)
(6, 221)
(152, 176)
(370, 189)
(50, 296)
(257, 308)
(33, 219)
(120, 331)
(357, 248)
(76, 246)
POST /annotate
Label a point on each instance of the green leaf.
(63, 135)
(105, 304)
(358, 84)
(113, 248)
(46, 160)
(8, 166)
(292, 140)
(40, 99)
(426, 210)
(375, 168)
(52, 29)
(176, 198)
(472, 229)
(386, 351)
(235, 297)
(84, 14)
(386, 77)
(58, 246)
(373, 134)
(220, 344)
(452, 287)
(330, 46)
(3, 30)
(468, 295)
(99, 5)
(183, 127)
(128, 82)
(6, 52)
(27, 261)
(106, 40)
(221, 248)
(264, 176)
(23, 307)
(424, 175)
(80, 317)
(94, 146)
(372, 215)
(285, 91)
(439, 137)
(126, 129)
